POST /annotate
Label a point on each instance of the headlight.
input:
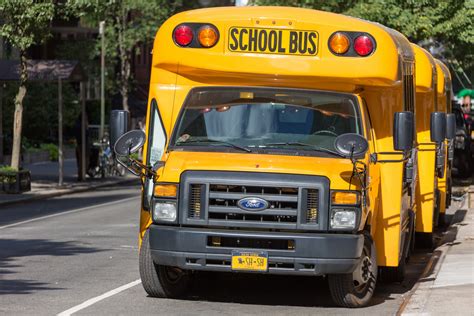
(164, 211)
(343, 219)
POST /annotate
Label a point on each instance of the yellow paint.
(375, 80)
(427, 182)
(442, 107)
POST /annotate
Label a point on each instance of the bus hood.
(337, 170)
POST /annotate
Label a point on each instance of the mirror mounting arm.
(375, 158)
(137, 168)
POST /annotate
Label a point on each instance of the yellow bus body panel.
(442, 101)
(425, 104)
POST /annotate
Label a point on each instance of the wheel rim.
(363, 273)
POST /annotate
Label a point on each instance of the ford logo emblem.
(253, 204)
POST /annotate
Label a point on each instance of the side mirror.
(351, 145)
(129, 143)
(403, 130)
(438, 127)
(450, 126)
(119, 125)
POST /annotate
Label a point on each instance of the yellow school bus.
(278, 141)
(444, 105)
(427, 198)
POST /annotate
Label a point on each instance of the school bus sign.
(273, 41)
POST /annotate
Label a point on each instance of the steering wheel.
(325, 131)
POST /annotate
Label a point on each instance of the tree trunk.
(124, 55)
(18, 117)
(125, 88)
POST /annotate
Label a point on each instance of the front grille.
(282, 208)
(211, 198)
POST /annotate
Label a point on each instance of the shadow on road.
(285, 290)
(11, 250)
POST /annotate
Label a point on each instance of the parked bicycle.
(102, 163)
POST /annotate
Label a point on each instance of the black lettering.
(253, 40)
(303, 42)
(241, 39)
(262, 41)
(272, 41)
(293, 45)
(312, 43)
(280, 42)
(234, 44)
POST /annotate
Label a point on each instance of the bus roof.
(444, 83)
(426, 74)
(220, 63)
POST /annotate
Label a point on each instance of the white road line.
(99, 298)
(69, 212)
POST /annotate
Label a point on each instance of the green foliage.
(40, 118)
(52, 149)
(127, 23)
(25, 22)
(7, 174)
(7, 170)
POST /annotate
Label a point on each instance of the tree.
(25, 23)
(127, 23)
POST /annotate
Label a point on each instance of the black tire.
(344, 288)
(442, 221)
(161, 281)
(394, 274)
(424, 240)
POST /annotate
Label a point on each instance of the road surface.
(78, 254)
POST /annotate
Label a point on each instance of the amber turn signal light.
(166, 190)
(339, 43)
(207, 36)
(345, 198)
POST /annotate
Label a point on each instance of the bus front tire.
(356, 289)
(161, 281)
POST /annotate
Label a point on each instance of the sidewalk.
(447, 286)
(44, 182)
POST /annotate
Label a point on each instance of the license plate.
(249, 261)
(273, 41)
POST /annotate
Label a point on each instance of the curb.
(62, 192)
(430, 273)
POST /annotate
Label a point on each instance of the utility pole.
(1, 123)
(83, 131)
(102, 79)
(60, 132)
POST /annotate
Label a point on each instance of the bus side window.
(368, 126)
(156, 136)
(156, 146)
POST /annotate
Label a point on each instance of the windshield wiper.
(312, 147)
(210, 140)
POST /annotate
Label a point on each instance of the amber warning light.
(351, 44)
(196, 35)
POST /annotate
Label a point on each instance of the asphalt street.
(79, 253)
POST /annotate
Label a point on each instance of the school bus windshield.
(263, 120)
